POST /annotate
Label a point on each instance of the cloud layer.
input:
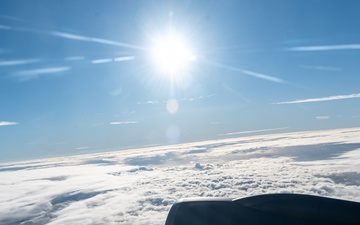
(139, 186)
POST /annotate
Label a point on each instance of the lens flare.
(172, 106)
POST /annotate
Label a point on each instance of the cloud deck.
(139, 186)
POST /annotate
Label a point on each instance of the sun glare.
(171, 54)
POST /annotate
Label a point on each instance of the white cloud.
(74, 58)
(124, 58)
(323, 68)
(12, 18)
(42, 71)
(123, 122)
(322, 117)
(190, 99)
(18, 62)
(139, 186)
(82, 148)
(4, 27)
(254, 131)
(117, 59)
(99, 61)
(196, 98)
(329, 98)
(148, 102)
(325, 47)
(7, 123)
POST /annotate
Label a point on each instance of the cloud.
(323, 68)
(83, 148)
(139, 186)
(12, 18)
(74, 58)
(254, 131)
(322, 117)
(329, 98)
(200, 166)
(99, 61)
(7, 123)
(123, 122)
(190, 99)
(124, 58)
(18, 62)
(325, 47)
(201, 97)
(30, 74)
(4, 27)
(148, 102)
(108, 60)
(43, 71)
(149, 160)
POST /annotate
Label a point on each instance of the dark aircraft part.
(274, 209)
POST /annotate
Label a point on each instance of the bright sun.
(171, 54)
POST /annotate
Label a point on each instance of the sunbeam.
(73, 37)
(94, 39)
(247, 72)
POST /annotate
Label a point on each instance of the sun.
(171, 54)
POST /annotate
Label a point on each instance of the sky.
(81, 77)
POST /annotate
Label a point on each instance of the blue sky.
(77, 76)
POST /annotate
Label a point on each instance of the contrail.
(329, 98)
(325, 47)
